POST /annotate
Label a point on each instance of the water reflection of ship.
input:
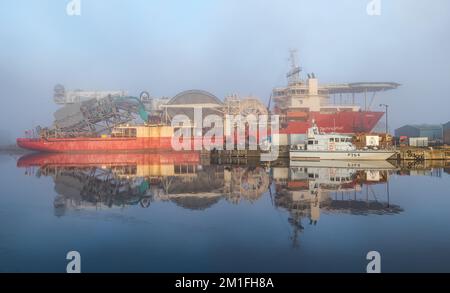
(116, 180)
(309, 189)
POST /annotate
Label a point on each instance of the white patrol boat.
(320, 146)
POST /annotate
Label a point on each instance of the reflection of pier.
(308, 190)
(423, 168)
(117, 180)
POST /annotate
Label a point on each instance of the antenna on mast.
(294, 74)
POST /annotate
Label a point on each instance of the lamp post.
(386, 111)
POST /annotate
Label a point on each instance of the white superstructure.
(63, 97)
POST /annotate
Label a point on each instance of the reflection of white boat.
(356, 165)
(321, 146)
(323, 176)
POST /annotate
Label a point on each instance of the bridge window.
(125, 132)
(130, 132)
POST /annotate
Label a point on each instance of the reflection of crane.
(313, 188)
(296, 222)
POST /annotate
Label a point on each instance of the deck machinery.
(89, 114)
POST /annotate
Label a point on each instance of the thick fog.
(222, 46)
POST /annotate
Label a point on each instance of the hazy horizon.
(223, 47)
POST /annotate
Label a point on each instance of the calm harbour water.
(189, 217)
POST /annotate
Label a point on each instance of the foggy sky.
(222, 46)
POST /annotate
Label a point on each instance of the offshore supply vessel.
(104, 121)
(303, 101)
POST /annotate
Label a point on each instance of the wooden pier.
(235, 157)
(424, 166)
(411, 154)
(242, 157)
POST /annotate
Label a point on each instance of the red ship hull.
(94, 144)
(339, 122)
(101, 145)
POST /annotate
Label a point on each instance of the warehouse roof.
(423, 126)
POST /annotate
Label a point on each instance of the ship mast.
(293, 75)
